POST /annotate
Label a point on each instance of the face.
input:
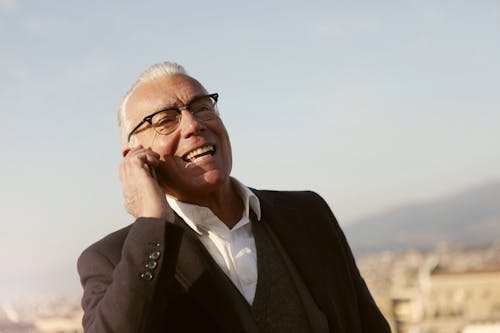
(196, 157)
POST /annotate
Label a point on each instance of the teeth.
(199, 151)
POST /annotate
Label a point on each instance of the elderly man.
(206, 253)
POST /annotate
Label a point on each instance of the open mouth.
(198, 153)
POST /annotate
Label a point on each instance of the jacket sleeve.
(119, 284)
(371, 319)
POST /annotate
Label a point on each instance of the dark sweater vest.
(277, 307)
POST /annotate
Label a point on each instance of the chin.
(215, 178)
(187, 188)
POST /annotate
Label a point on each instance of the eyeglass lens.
(202, 109)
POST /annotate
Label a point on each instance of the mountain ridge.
(470, 217)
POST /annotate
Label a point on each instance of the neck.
(224, 202)
(228, 207)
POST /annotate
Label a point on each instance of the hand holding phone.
(143, 195)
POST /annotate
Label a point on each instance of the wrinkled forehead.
(160, 93)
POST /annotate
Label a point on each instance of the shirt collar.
(250, 200)
(201, 219)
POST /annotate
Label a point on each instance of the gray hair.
(154, 72)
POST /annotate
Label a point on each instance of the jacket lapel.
(200, 275)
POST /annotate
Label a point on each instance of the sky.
(372, 104)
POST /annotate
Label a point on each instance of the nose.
(190, 125)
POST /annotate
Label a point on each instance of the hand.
(143, 196)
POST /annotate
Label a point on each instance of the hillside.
(470, 218)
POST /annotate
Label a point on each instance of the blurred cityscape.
(447, 290)
(54, 314)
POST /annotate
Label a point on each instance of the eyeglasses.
(166, 121)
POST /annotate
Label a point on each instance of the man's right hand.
(143, 196)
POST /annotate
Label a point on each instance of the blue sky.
(371, 104)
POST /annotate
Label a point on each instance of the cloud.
(89, 73)
(45, 24)
(328, 30)
(20, 74)
(495, 15)
(359, 24)
(8, 5)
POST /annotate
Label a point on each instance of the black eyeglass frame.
(149, 119)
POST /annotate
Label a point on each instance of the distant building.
(487, 327)
(445, 301)
(42, 314)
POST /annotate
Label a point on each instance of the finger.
(143, 153)
(146, 159)
(136, 171)
(147, 156)
(152, 158)
(134, 149)
(139, 156)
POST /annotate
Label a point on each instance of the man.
(206, 253)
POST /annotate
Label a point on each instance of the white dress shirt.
(232, 249)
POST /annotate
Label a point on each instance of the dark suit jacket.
(187, 291)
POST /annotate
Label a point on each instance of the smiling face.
(196, 157)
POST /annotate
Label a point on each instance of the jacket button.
(154, 255)
(151, 265)
(147, 276)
